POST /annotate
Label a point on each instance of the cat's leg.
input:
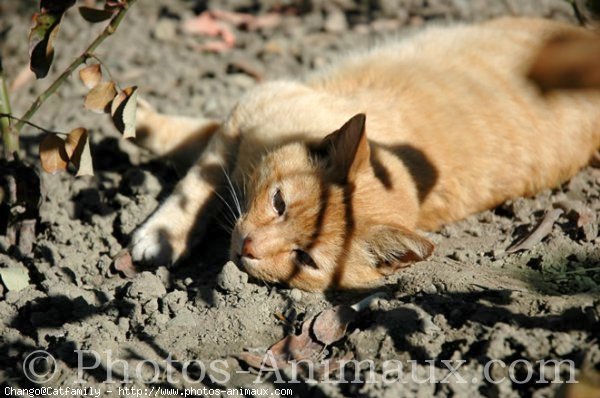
(168, 233)
(179, 138)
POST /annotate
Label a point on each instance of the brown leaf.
(95, 15)
(124, 264)
(331, 324)
(123, 111)
(98, 99)
(53, 155)
(298, 347)
(206, 24)
(539, 232)
(77, 147)
(41, 38)
(289, 348)
(91, 75)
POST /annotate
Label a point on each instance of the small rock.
(151, 306)
(184, 318)
(336, 21)
(123, 324)
(165, 30)
(146, 286)
(231, 278)
(430, 289)
(296, 295)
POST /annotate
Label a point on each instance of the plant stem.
(109, 30)
(9, 136)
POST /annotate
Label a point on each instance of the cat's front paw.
(156, 244)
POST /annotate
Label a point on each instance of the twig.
(106, 68)
(539, 232)
(9, 116)
(109, 30)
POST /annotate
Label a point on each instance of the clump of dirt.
(472, 301)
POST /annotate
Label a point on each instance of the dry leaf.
(124, 264)
(53, 155)
(539, 232)
(41, 38)
(94, 15)
(123, 111)
(206, 24)
(15, 278)
(77, 147)
(91, 75)
(330, 325)
(98, 99)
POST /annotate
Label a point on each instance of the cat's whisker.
(232, 191)
(231, 211)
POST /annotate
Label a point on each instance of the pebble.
(231, 278)
(146, 286)
(336, 22)
(296, 295)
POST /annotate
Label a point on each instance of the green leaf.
(95, 15)
(15, 278)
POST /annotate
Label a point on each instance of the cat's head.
(307, 222)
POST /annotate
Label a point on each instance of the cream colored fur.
(453, 127)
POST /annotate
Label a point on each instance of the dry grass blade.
(539, 232)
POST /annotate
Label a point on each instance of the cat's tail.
(179, 138)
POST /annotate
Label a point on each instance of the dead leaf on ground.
(77, 147)
(123, 111)
(99, 97)
(538, 233)
(53, 155)
(15, 278)
(206, 24)
(91, 75)
(330, 325)
(124, 264)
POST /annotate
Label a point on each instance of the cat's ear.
(392, 247)
(346, 150)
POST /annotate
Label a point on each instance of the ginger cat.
(341, 170)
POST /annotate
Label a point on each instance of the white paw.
(153, 243)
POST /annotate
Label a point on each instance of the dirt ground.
(471, 301)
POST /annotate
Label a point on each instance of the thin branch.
(109, 30)
(9, 116)
(106, 68)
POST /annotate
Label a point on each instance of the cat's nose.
(248, 249)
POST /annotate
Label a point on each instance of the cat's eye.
(278, 203)
(303, 258)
